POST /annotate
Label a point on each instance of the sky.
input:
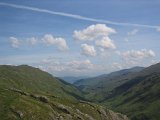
(80, 38)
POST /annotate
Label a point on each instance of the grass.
(21, 88)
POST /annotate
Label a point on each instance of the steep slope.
(27, 93)
(98, 87)
(34, 80)
(139, 98)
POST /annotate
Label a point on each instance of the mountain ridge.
(141, 93)
(29, 93)
(138, 96)
(97, 87)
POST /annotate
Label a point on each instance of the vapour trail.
(74, 16)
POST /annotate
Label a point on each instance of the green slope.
(34, 80)
(27, 93)
(98, 87)
(139, 98)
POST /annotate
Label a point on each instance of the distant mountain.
(98, 87)
(135, 91)
(139, 98)
(27, 93)
(72, 79)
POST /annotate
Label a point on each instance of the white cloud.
(48, 39)
(106, 43)
(88, 50)
(32, 40)
(76, 67)
(134, 58)
(56, 41)
(98, 33)
(80, 65)
(117, 66)
(158, 29)
(92, 32)
(133, 32)
(138, 54)
(14, 42)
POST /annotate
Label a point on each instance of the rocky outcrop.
(59, 111)
(18, 113)
(38, 97)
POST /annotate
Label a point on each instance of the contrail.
(79, 17)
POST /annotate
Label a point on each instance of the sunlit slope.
(27, 93)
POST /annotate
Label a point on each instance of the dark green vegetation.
(136, 94)
(97, 88)
(30, 94)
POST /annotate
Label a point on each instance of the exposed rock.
(117, 116)
(60, 118)
(34, 96)
(88, 103)
(40, 98)
(18, 113)
(43, 99)
(102, 113)
(19, 91)
(64, 108)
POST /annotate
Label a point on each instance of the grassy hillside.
(27, 93)
(98, 87)
(139, 98)
(34, 80)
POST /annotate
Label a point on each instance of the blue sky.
(80, 38)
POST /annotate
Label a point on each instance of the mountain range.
(97, 87)
(30, 93)
(135, 91)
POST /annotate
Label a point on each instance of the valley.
(135, 93)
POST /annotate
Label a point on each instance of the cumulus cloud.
(98, 33)
(92, 32)
(133, 32)
(131, 58)
(48, 39)
(88, 50)
(14, 42)
(32, 40)
(106, 43)
(78, 67)
(138, 54)
(56, 41)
